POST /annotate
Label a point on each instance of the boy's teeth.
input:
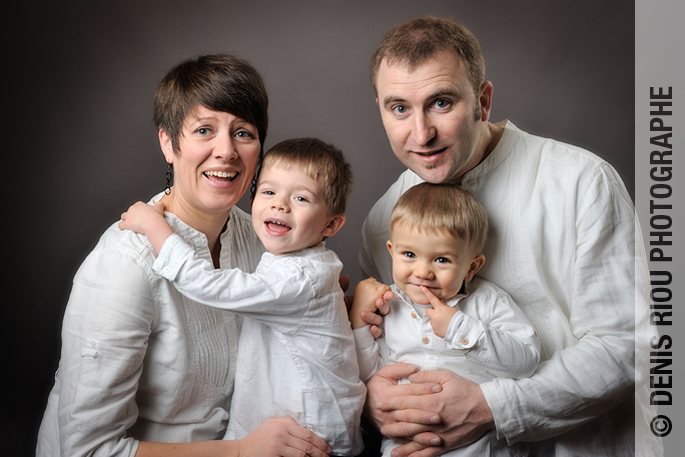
(221, 174)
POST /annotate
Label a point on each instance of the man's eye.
(399, 109)
(442, 103)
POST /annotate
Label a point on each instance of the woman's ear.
(166, 145)
(476, 264)
(334, 224)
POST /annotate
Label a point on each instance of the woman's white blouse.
(139, 361)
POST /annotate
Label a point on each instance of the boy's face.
(434, 259)
(289, 212)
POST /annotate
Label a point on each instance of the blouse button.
(425, 340)
(465, 341)
(413, 315)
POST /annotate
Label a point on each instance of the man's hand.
(369, 296)
(384, 387)
(460, 405)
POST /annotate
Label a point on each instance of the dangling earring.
(169, 176)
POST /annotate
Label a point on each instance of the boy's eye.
(300, 199)
(409, 254)
(442, 260)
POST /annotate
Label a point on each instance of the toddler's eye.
(409, 254)
(300, 199)
(442, 260)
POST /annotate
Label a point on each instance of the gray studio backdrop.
(79, 83)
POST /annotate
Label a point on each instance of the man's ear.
(165, 144)
(476, 264)
(334, 224)
(485, 100)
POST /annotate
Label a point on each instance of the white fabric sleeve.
(368, 353)
(502, 341)
(589, 378)
(277, 295)
(106, 326)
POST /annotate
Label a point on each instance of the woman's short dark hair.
(219, 82)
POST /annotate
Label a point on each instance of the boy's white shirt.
(296, 355)
(488, 337)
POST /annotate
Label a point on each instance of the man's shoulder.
(383, 207)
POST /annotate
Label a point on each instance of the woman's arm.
(274, 438)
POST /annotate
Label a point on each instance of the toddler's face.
(434, 259)
(288, 211)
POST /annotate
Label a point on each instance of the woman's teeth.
(222, 174)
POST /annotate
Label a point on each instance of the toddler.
(296, 355)
(441, 316)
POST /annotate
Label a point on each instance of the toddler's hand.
(369, 296)
(140, 217)
(440, 314)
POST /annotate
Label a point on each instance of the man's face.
(432, 116)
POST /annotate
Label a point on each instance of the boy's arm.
(147, 220)
(278, 293)
(501, 338)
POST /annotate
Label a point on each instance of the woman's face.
(215, 163)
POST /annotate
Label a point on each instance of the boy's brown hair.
(321, 161)
(445, 208)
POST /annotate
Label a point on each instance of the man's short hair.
(219, 82)
(321, 161)
(416, 41)
(442, 207)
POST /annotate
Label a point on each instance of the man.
(562, 243)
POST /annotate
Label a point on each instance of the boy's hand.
(369, 296)
(440, 314)
(140, 217)
(147, 220)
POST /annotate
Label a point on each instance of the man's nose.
(424, 129)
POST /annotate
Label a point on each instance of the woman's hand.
(282, 438)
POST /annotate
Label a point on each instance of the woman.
(142, 366)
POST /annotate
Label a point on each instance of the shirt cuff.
(171, 257)
(363, 339)
(463, 332)
(490, 394)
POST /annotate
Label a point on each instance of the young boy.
(442, 317)
(296, 355)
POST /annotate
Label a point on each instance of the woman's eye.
(203, 131)
(244, 134)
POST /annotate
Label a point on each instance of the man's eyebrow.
(451, 92)
(392, 99)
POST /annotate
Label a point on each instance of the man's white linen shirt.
(296, 354)
(140, 361)
(561, 243)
